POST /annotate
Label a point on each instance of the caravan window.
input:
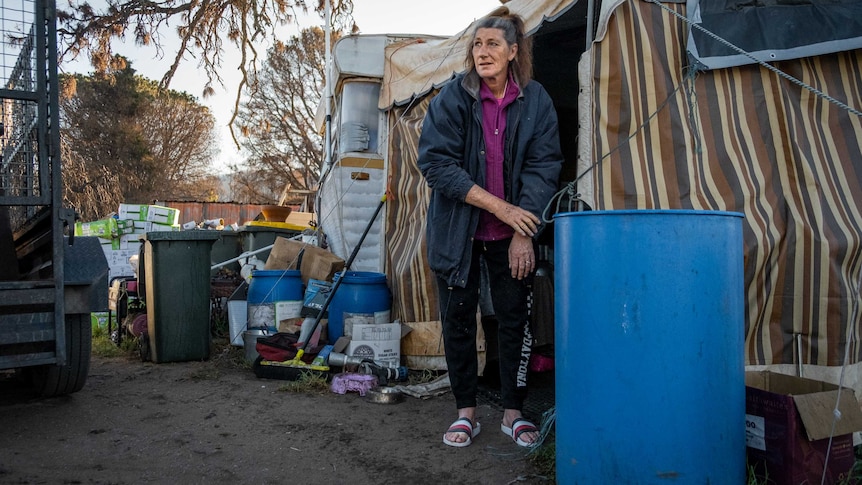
(360, 117)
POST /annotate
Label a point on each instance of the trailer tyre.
(55, 380)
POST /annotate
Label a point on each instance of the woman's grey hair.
(512, 26)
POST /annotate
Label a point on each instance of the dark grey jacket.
(452, 159)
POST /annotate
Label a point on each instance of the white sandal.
(463, 425)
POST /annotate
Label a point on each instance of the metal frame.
(31, 310)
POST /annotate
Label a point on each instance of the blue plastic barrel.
(650, 379)
(363, 294)
(274, 299)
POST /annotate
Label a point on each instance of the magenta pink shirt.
(494, 127)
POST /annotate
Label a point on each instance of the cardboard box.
(135, 212)
(163, 215)
(788, 421)
(104, 228)
(99, 320)
(118, 261)
(422, 347)
(301, 219)
(317, 263)
(109, 244)
(125, 226)
(142, 227)
(380, 342)
(131, 244)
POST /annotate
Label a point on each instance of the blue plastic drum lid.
(361, 292)
(649, 347)
(274, 296)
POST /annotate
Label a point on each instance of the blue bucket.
(363, 294)
(274, 299)
(650, 381)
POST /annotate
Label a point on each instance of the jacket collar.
(471, 83)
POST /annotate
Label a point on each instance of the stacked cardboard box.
(120, 235)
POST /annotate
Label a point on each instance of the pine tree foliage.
(125, 139)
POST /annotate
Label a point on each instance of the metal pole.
(242, 256)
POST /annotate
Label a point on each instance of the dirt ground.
(216, 422)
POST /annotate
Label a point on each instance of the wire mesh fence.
(22, 168)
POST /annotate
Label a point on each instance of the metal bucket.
(249, 338)
(650, 379)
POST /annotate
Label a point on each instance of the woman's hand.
(521, 257)
(522, 221)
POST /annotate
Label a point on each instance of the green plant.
(752, 476)
(309, 382)
(103, 346)
(544, 458)
(421, 376)
(855, 474)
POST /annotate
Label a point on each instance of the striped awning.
(740, 139)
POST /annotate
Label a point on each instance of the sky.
(437, 17)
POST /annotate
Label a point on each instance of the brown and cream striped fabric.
(414, 293)
(746, 140)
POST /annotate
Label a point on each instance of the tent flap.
(414, 67)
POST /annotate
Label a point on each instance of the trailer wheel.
(55, 380)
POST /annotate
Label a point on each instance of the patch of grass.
(226, 355)
(544, 458)
(853, 476)
(423, 376)
(752, 477)
(102, 345)
(309, 382)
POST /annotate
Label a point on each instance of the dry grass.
(309, 382)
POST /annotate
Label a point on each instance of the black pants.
(511, 300)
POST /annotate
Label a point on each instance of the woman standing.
(490, 152)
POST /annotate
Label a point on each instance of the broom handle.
(339, 280)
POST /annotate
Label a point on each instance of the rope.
(569, 189)
(549, 418)
(760, 62)
(836, 413)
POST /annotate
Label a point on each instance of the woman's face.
(492, 54)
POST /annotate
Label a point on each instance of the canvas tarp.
(663, 136)
(740, 139)
(415, 67)
(771, 31)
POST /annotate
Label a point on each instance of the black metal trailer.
(49, 282)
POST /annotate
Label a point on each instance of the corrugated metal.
(741, 139)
